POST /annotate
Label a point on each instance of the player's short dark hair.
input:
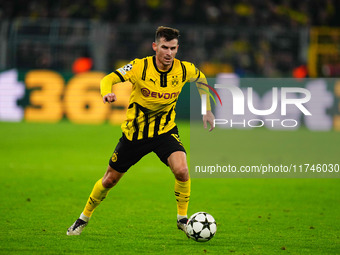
(166, 32)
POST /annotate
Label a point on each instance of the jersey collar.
(155, 65)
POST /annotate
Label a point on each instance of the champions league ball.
(201, 227)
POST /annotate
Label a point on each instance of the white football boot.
(76, 228)
(182, 224)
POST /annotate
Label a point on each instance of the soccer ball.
(201, 227)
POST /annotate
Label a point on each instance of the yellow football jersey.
(151, 110)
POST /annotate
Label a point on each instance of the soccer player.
(150, 124)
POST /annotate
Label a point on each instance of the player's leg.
(178, 165)
(99, 192)
(126, 154)
(172, 153)
(177, 162)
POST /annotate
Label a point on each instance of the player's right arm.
(120, 75)
(106, 87)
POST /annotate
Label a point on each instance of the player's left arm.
(209, 118)
(202, 89)
(199, 78)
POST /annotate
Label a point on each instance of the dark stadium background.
(251, 38)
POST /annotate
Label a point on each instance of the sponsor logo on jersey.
(146, 93)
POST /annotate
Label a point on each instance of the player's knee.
(111, 178)
(109, 182)
(182, 173)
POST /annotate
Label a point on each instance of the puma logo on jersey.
(177, 138)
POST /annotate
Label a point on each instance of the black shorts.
(128, 153)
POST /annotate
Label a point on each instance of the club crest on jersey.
(114, 157)
(174, 81)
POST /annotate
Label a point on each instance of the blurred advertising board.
(50, 96)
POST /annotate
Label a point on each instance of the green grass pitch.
(48, 170)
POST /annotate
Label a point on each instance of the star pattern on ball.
(206, 224)
(196, 235)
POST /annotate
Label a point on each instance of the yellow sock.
(97, 195)
(182, 193)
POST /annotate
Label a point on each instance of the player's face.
(165, 52)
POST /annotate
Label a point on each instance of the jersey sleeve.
(125, 73)
(195, 75)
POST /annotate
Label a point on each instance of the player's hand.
(110, 98)
(209, 118)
